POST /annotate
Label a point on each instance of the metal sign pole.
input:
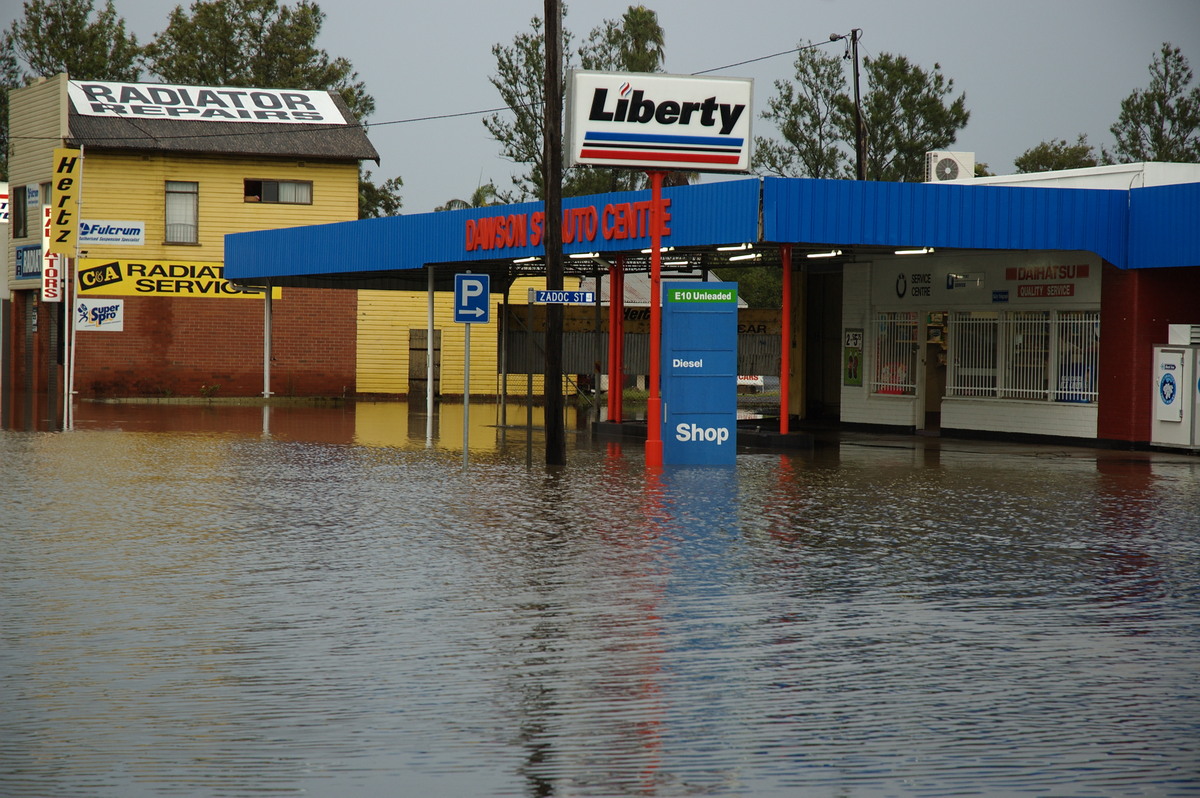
(466, 391)
(472, 305)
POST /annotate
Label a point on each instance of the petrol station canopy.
(1138, 228)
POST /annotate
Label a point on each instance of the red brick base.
(214, 347)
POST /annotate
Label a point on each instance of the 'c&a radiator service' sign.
(100, 277)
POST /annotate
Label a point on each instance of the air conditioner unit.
(942, 166)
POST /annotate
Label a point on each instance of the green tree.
(1162, 121)
(1057, 154)
(908, 112)
(632, 44)
(264, 44)
(808, 114)
(635, 43)
(71, 36)
(253, 43)
(378, 200)
(53, 36)
(518, 78)
(480, 198)
(10, 78)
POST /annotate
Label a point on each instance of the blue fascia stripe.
(719, 141)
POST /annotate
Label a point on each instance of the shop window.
(1025, 351)
(1042, 355)
(286, 192)
(182, 212)
(971, 344)
(1078, 356)
(895, 367)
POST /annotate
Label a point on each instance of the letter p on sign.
(472, 299)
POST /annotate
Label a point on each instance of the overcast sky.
(1032, 70)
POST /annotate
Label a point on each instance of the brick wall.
(1136, 308)
(197, 347)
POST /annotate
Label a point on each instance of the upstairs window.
(18, 214)
(182, 212)
(284, 192)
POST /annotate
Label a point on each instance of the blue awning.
(1131, 229)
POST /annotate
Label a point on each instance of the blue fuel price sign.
(699, 373)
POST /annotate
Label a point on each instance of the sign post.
(472, 305)
(658, 122)
(547, 297)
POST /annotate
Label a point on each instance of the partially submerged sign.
(652, 121)
(699, 367)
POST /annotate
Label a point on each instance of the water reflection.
(191, 607)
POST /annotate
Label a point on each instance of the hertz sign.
(99, 277)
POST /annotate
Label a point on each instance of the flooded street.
(208, 600)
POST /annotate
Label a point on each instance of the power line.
(430, 118)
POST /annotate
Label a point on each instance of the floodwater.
(222, 601)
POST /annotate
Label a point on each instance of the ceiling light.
(751, 256)
(921, 251)
(833, 253)
(584, 255)
(735, 248)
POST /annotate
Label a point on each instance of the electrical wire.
(365, 126)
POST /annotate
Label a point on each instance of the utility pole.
(860, 133)
(556, 443)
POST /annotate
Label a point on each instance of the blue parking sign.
(472, 299)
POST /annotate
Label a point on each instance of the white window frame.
(894, 361)
(1049, 355)
(181, 212)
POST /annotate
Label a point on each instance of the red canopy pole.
(785, 349)
(654, 442)
(614, 330)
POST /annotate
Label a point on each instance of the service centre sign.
(192, 279)
(651, 121)
(203, 103)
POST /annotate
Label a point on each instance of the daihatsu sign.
(652, 121)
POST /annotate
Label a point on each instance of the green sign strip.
(721, 295)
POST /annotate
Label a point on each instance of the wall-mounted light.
(527, 260)
(584, 255)
(751, 256)
(833, 253)
(921, 251)
(736, 248)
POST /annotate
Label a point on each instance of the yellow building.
(161, 174)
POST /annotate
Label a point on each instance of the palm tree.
(641, 40)
(483, 196)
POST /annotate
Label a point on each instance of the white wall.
(871, 287)
(1119, 176)
(859, 405)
